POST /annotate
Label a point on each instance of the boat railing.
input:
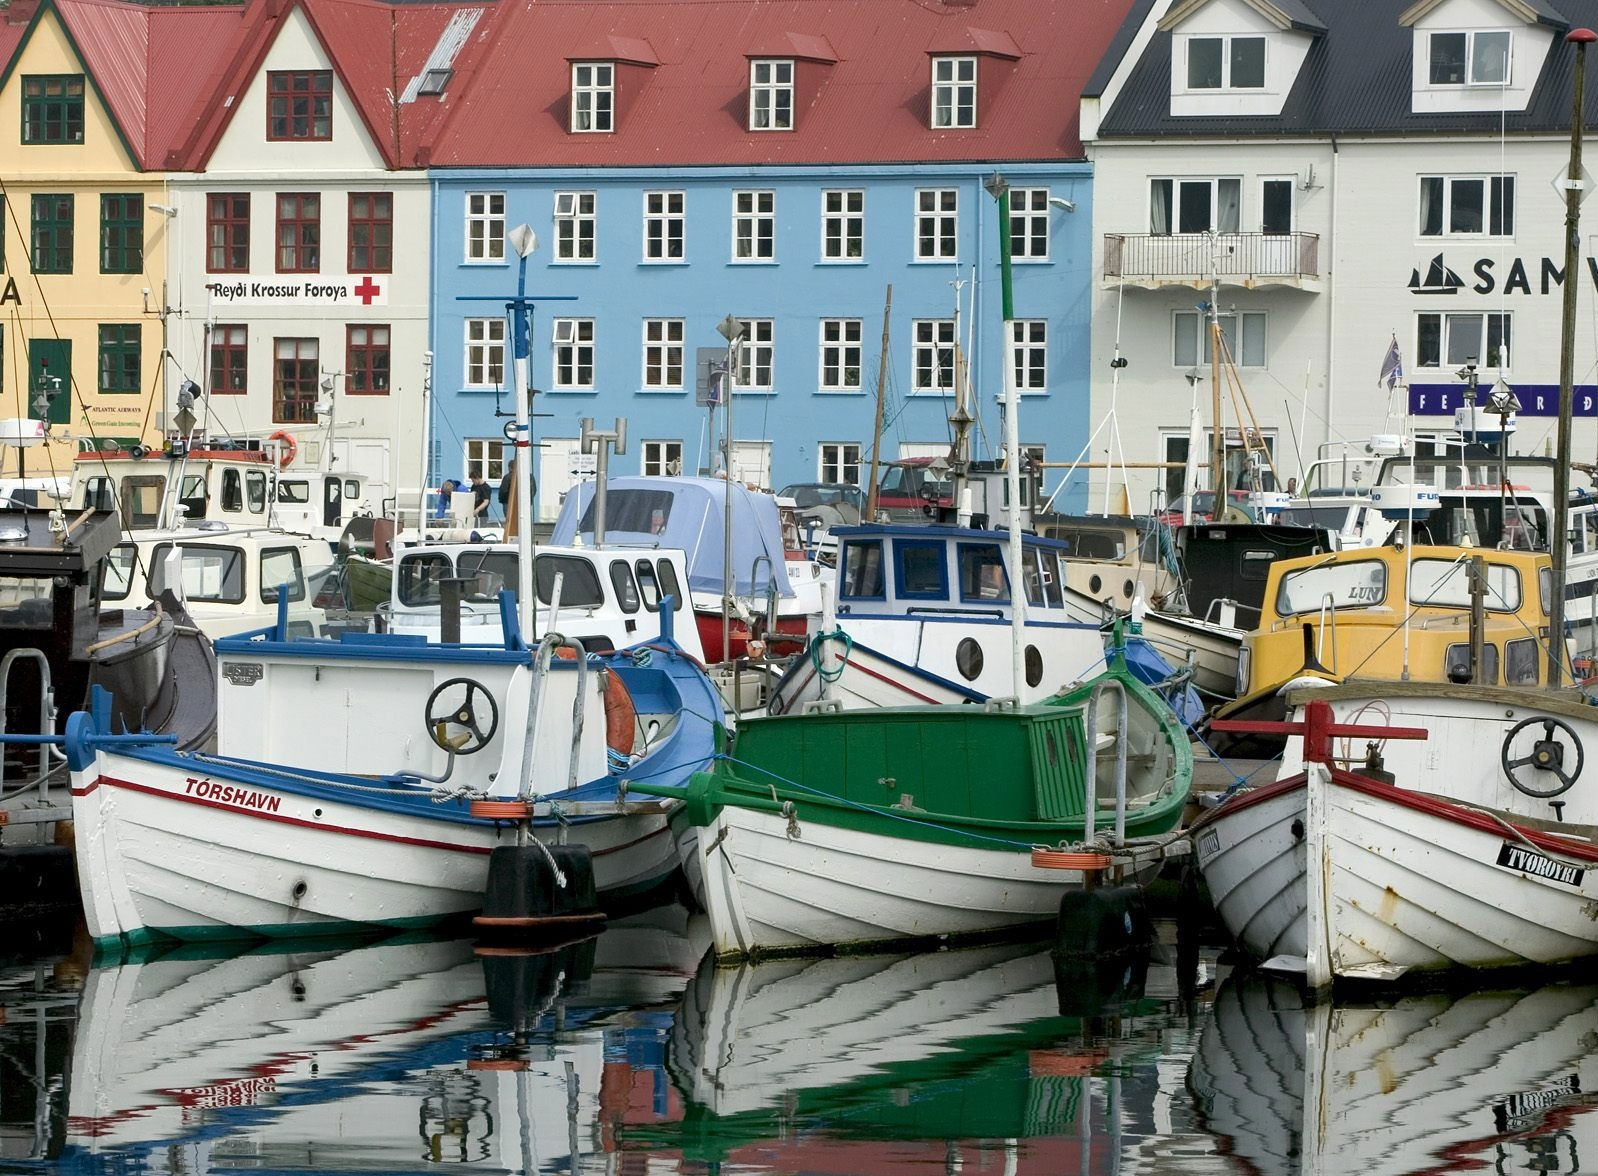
(1090, 808)
(49, 754)
(1215, 614)
(547, 648)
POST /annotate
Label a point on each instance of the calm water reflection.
(631, 1054)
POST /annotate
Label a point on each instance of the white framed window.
(663, 353)
(757, 354)
(488, 458)
(754, 225)
(1226, 63)
(485, 352)
(1475, 206)
(1195, 205)
(840, 354)
(485, 226)
(1031, 354)
(1446, 341)
(662, 459)
(593, 96)
(839, 462)
(1190, 338)
(932, 355)
(574, 226)
(663, 226)
(843, 224)
(937, 224)
(1469, 59)
(954, 92)
(574, 353)
(1029, 224)
(1276, 205)
(771, 95)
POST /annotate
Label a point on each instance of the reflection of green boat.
(367, 582)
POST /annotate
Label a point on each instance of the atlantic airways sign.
(301, 290)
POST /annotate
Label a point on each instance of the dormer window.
(954, 92)
(1469, 59)
(593, 97)
(771, 95)
(1226, 63)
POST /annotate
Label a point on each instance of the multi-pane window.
(1195, 205)
(485, 352)
(295, 379)
(757, 354)
(1469, 59)
(366, 359)
(52, 108)
(840, 354)
(574, 353)
(1191, 336)
(593, 95)
(662, 458)
(230, 359)
(1226, 63)
(1029, 224)
(1031, 354)
(754, 226)
(485, 226)
(771, 95)
(932, 355)
(1449, 340)
(937, 224)
(1474, 205)
(574, 226)
(663, 226)
(299, 104)
(121, 233)
(954, 92)
(227, 232)
(299, 233)
(371, 232)
(663, 353)
(52, 233)
(843, 224)
(840, 462)
(488, 458)
(119, 357)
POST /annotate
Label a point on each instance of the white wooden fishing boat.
(1473, 854)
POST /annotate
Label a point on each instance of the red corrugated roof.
(872, 106)
(10, 38)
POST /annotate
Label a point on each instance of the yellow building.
(93, 95)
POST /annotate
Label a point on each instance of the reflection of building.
(1348, 174)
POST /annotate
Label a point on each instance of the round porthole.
(1094, 583)
(1126, 589)
(1034, 665)
(968, 658)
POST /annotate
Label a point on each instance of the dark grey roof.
(1119, 44)
(1354, 80)
(1547, 13)
(1300, 15)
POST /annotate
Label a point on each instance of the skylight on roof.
(434, 81)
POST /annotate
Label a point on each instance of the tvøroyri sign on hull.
(302, 290)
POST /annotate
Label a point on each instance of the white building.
(1349, 173)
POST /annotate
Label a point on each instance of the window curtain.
(1160, 207)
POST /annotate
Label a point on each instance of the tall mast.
(1217, 434)
(876, 431)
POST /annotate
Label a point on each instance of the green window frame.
(121, 233)
(52, 232)
(52, 108)
(121, 348)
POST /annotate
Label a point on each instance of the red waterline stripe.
(897, 685)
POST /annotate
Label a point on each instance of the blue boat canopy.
(688, 513)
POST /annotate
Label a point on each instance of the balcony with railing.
(1252, 260)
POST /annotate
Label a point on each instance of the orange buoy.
(290, 448)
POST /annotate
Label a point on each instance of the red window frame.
(227, 232)
(366, 359)
(299, 105)
(299, 232)
(230, 359)
(372, 231)
(296, 381)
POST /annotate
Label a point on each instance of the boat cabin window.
(1482, 522)
(920, 571)
(25, 602)
(279, 566)
(419, 576)
(621, 579)
(495, 571)
(862, 570)
(642, 511)
(255, 490)
(580, 588)
(1359, 584)
(192, 496)
(1042, 575)
(99, 493)
(293, 490)
(982, 572)
(232, 491)
(1333, 518)
(213, 574)
(670, 586)
(1545, 588)
(1456, 664)
(1090, 542)
(119, 565)
(1445, 583)
(352, 488)
(1520, 662)
(141, 501)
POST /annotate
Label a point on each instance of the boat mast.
(960, 421)
(1000, 189)
(876, 430)
(1581, 38)
(1217, 434)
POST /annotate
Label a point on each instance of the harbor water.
(632, 1052)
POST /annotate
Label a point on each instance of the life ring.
(621, 717)
(1547, 755)
(290, 448)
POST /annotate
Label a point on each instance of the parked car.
(909, 493)
(847, 502)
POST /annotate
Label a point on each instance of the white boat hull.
(1213, 649)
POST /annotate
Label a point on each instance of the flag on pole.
(1392, 367)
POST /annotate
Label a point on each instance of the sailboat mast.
(1217, 434)
(876, 430)
(1000, 190)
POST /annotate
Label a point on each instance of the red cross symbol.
(368, 290)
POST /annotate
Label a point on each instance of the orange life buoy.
(290, 448)
(621, 717)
